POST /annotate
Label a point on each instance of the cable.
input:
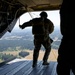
(19, 20)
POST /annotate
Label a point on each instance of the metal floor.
(24, 67)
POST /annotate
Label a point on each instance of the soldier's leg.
(37, 45)
(47, 45)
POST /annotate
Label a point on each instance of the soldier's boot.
(45, 63)
(34, 63)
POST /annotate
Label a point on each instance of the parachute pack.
(38, 28)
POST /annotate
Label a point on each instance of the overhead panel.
(43, 4)
(27, 2)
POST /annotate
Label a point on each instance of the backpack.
(38, 27)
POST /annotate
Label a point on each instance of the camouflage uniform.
(41, 39)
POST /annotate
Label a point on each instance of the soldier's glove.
(21, 26)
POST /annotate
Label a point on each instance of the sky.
(54, 16)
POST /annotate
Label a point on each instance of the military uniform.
(41, 37)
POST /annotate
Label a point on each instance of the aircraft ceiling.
(11, 10)
(36, 5)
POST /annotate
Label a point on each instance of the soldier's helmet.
(43, 14)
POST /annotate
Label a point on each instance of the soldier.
(41, 28)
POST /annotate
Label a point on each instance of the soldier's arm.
(26, 24)
(51, 27)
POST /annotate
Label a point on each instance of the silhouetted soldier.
(41, 28)
(66, 51)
